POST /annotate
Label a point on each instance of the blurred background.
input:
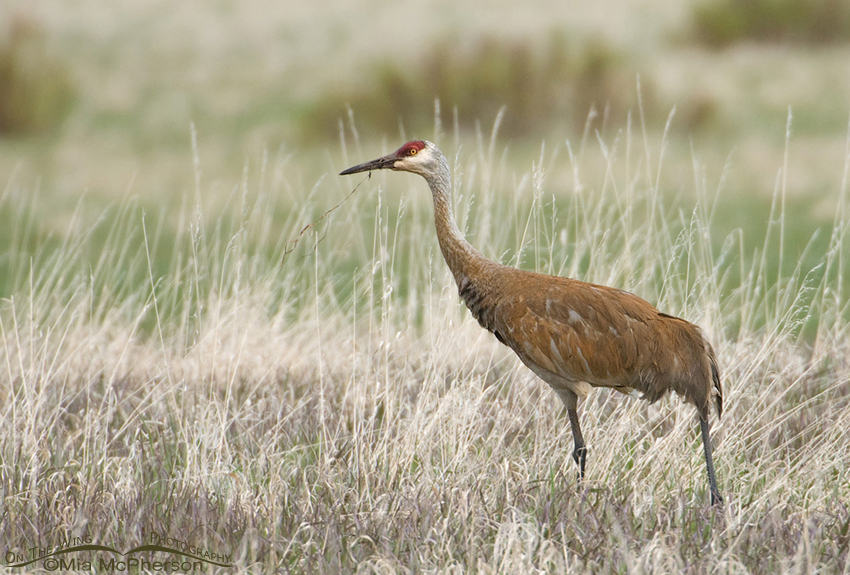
(98, 98)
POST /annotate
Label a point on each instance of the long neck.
(465, 262)
(472, 271)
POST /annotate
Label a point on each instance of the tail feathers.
(715, 377)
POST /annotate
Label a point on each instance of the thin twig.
(293, 243)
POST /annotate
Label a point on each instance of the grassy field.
(183, 358)
(326, 405)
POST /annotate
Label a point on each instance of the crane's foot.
(716, 499)
(580, 457)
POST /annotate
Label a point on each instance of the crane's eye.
(412, 152)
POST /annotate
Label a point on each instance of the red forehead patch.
(408, 148)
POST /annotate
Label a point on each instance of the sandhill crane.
(573, 335)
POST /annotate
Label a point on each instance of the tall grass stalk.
(337, 410)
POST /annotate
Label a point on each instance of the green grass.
(337, 410)
(724, 22)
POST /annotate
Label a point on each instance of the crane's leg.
(709, 463)
(570, 400)
(580, 451)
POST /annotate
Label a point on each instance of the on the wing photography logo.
(80, 553)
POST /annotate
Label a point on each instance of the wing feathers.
(578, 332)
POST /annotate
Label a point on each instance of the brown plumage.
(573, 335)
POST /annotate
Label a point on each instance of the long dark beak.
(380, 164)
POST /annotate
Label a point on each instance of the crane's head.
(420, 157)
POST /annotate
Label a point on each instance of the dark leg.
(580, 452)
(709, 463)
(570, 400)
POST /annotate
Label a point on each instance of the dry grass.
(337, 411)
